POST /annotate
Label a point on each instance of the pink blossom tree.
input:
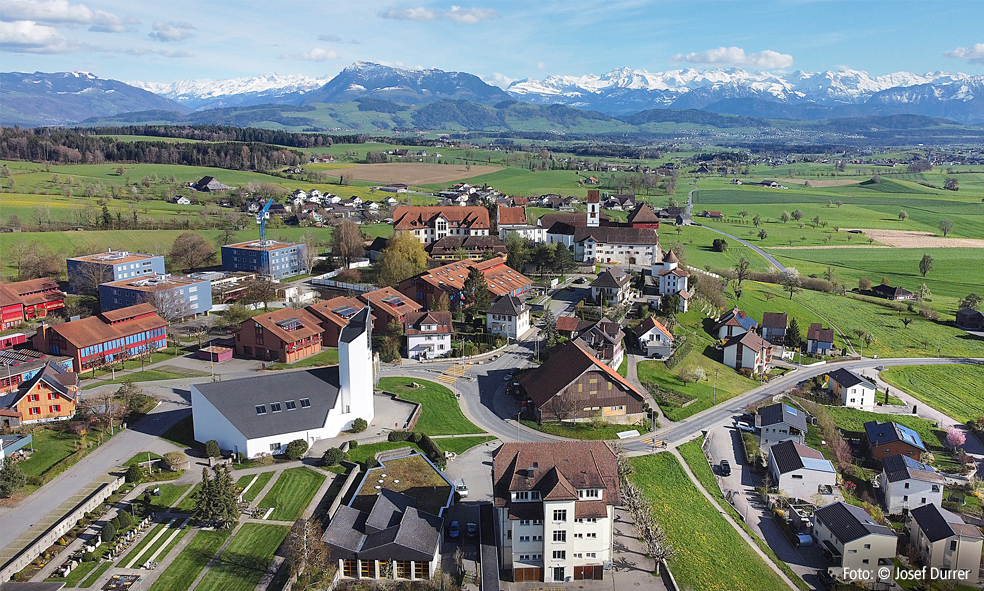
(955, 437)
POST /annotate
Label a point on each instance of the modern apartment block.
(89, 271)
(277, 260)
(175, 297)
(555, 505)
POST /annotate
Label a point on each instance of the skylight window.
(261, 409)
(305, 402)
(291, 405)
(275, 407)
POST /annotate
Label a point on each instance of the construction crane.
(262, 217)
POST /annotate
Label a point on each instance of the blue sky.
(168, 40)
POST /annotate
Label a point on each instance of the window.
(348, 568)
(865, 561)
(797, 477)
(578, 537)
(591, 535)
(867, 546)
(560, 515)
(521, 495)
(421, 570)
(906, 485)
(261, 409)
(305, 402)
(291, 405)
(560, 536)
(274, 447)
(590, 493)
(524, 538)
(560, 554)
(953, 545)
(578, 555)
(592, 555)
(923, 502)
(367, 569)
(54, 408)
(537, 538)
(275, 407)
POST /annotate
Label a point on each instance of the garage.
(587, 573)
(527, 574)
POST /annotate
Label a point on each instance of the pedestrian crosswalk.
(451, 375)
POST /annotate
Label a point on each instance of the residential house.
(209, 184)
(427, 287)
(285, 335)
(574, 385)
(944, 542)
(262, 414)
(605, 341)
(780, 422)
(271, 258)
(714, 215)
(571, 326)
(613, 287)
(555, 509)
(890, 439)
(774, 326)
(893, 293)
(970, 319)
(428, 334)
(748, 351)
(654, 339)
(684, 219)
(182, 200)
(89, 271)
(174, 296)
(644, 216)
(11, 308)
(800, 471)
(616, 245)
(672, 279)
(853, 390)
(389, 305)
(39, 297)
(513, 220)
(105, 338)
(334, 315)
(430, 224)
(50, 395)
(508, 316)
(819, 340)
(733, 323)
(474, 247)
(853, 541)
(907, 483)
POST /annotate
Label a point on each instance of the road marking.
(451, 375)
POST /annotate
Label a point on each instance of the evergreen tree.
(203, 511)
(794, 338)
(516, 256)
(11, 478)
(563, 260)
(477, 297)
(224, 498)
(549, 330)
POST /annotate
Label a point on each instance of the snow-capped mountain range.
(234, 92)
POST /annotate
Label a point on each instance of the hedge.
(683, 349)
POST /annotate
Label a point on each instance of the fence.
(51, 535)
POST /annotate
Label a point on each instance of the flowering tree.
(955, 437)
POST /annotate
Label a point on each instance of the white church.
(263, 414)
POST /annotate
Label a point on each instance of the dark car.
(725, 468)
(454, 531)
(826, 581)
(580, 281)
(471, 530)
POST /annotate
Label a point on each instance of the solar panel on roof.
(791, 410)
(289, 324)
(394, 300)
(345, 312)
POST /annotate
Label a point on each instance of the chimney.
(531, 471)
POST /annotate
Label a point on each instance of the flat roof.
(115, 257)
(256, 245)
(155, 282)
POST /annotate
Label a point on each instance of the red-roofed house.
(334, 314)
(389, 305)
(428, 334)
(654, 338)
(51, 395)
(39, 297)
(430, 224)
(11, 308)
(427, 287)
(285, 335)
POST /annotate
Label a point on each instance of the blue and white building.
(95, 269)
(277, 260)
(172, 295)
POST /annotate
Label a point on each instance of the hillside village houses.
(853, 390)
(654, 339)
(774, 325)
(889, 439)
(800, 471)
(819, 340)
(672, 279)
(852, 540)
(748, 351)
(907, 483)
(945, 542)
(612, 287)
(780, 422)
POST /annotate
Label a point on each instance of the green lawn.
(150, 550)
(150, 375)
(292, 493)
(74, 577)
(137, 550)
(694, 456)
(440, 414)
(170, 493)
(460, 445)
(954, 390)
(326, 357)
(364, 452)
(591, 430)
(182, 433)
(142, 457)
(191, 561)
(261, 480)
(726, 385)
(710, 553)
(623, 367)
(245, 560)
(50, 447)
(187, 504)
(96, 574)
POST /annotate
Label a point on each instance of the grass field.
(592, 430)
(246, 558)
(170, 493)
(142, 457)
(460, 445)
(954, 390)
(727, 384)
(326, 357)
(50, 447)
(187, 504)
(364, 452)
(191, 561)
(261, 481)
(694, 457)
(148, 375)
(137, 550)
(710, 553)
(292, 493)
(96, 574)
(440, 414)
(75, 577)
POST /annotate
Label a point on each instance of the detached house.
(334, 314)
(946, 543)
(51, 395)
(852, 540)
(774, 326)
(508, 316)
(654, 339)
(800, 471)
(554, 509)
(613, 287)
(672, 279)
(970, 319)
(732, 323)
(819, 340)
(748, 351)
(605, 340)
(428, 334)
(285, 335)
(889, 439)
(893, 293)
(778, 423)
(854, 390)
(908, 483)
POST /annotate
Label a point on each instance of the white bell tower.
(594, 208)
(355, 369)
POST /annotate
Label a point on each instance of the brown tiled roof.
(643, 214)
(568, 323)
(512, 216)
(450, 244)
(309, 325)
(615, 235)
(414, 320)
(650, 323)
(566, 363)
(571, 219)
(818, 333)
(23, 288)
(375, 299)
(325, 310)
(560, 469)
(416, 217)
(97, 329)
(750, 340)
(775, 320)
(671, 257)
(41, 298)
(679, 272)
(8, 297)
(500, 278)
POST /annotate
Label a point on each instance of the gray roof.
(790, 456)
(902, 467)
(884, 433)
(393, 530)
(237, 400)
(849, 523)
(359, 324)
(782, 413)
(847, 378)
(507, 305)
(608, 278)
(939, 524)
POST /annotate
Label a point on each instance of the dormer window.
(589, 493)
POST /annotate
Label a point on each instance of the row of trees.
(547, 258)
(216, 502)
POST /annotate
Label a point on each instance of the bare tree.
(311, 247)
(790, 282)
(191, 251)
(742, 271)
(306, 554)
(347, 242)
(565, 406)
(260, 291)
(171, 305)
(90, 275)
(654, 539)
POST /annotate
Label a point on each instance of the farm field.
(246, 558)
(729, 383)
(440, 414)
(292, 492)
(417, 173)
(954, 390)
(191, 561)
(710, 553)
(521, 181)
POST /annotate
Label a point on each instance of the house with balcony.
(654, 339)
(388, 306)
(748, 351)
(428, 334)
(334, 314)
(554, 509)
(853, 390)
(907, 483)
(774, 325)
(605, 341)
(852, 541)
(613, 287)
(819, 340)
(733, 323)
(285, 335)
(890, 439)
(51, 395)
(944, 542)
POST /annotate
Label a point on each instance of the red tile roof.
(415, 320)
(98, 329)
(397, 305)
(308, 324)
(326, 310)
(512, 216)
(557, 470)
(416, 217)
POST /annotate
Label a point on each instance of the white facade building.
(853, 541)
(800, 471)
(908, 483)
(854, 390)
(508, 316)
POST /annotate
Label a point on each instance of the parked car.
(461, 488)
(826, 581)
(454, 531)
(725, 468)
(743, 426)
(471, 530)
(580, 281)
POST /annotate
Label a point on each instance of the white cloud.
(139, 51)
(60, 11)
(330, 38)
(498, 79)
(171, 31)
(973, 54)
(540, 65)
(736, 56)
(315, 55)
(457, 14)
(30, 37)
